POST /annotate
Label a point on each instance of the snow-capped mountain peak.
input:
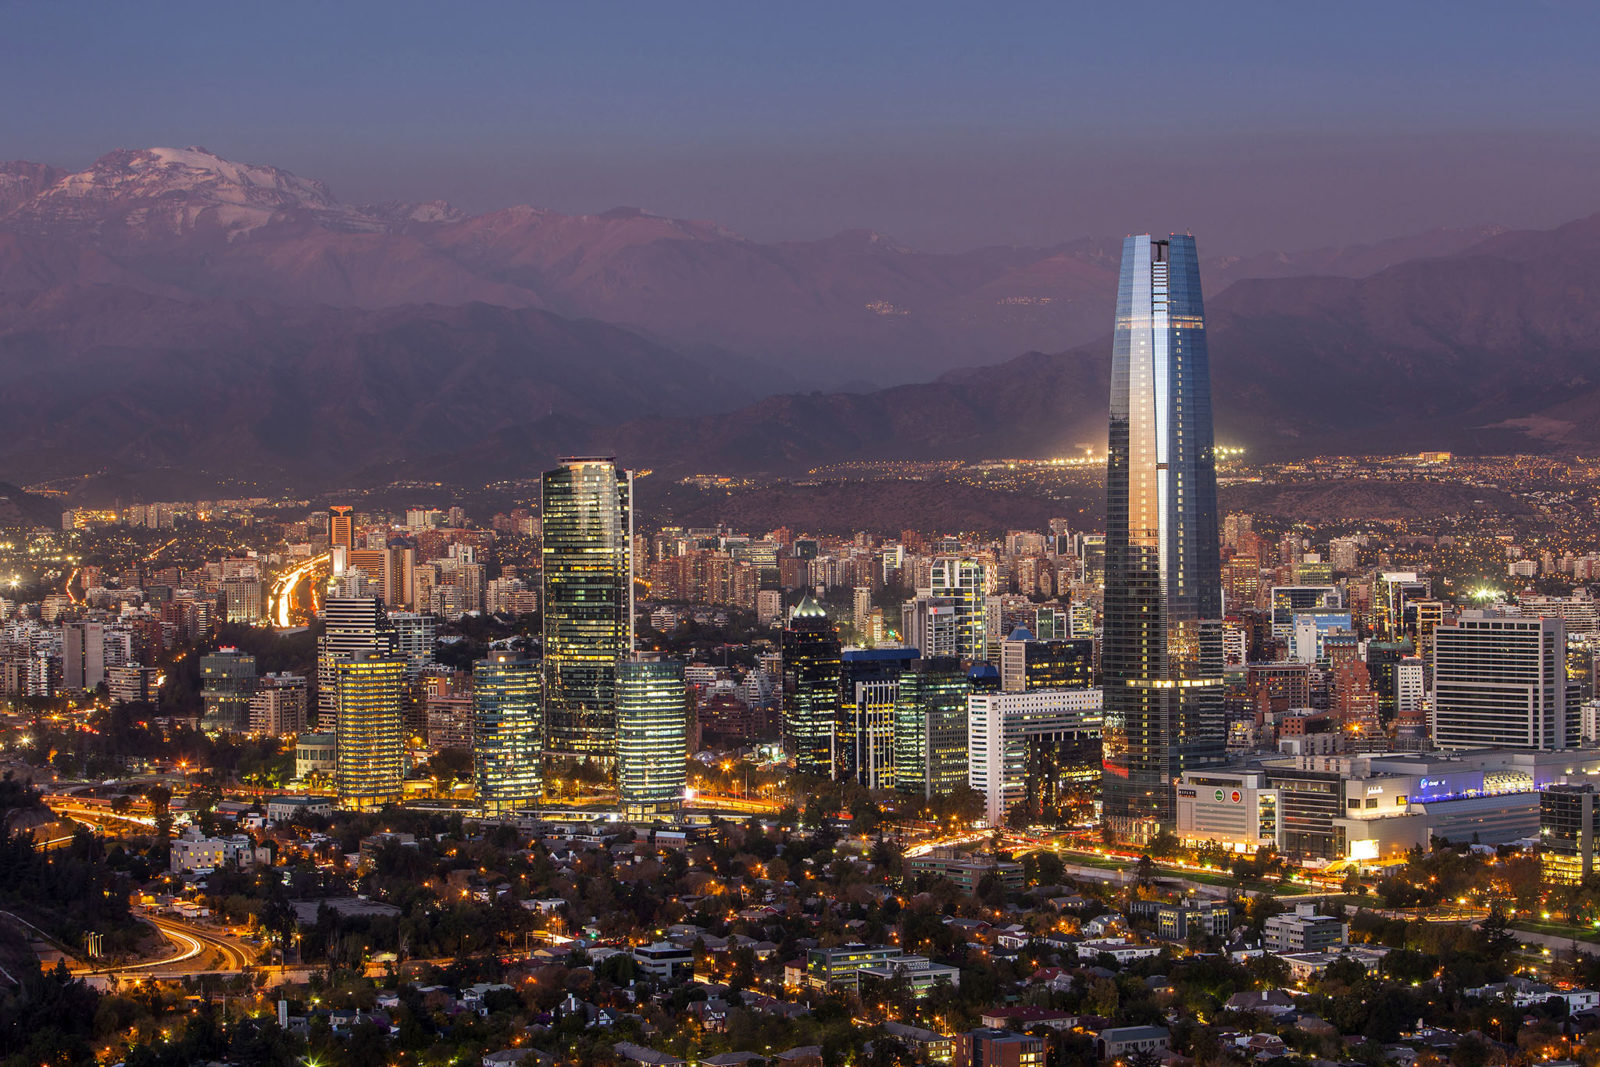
(179, 190)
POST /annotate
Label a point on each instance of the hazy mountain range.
(169, 308)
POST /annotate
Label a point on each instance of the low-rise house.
(734, 1059)
(1026, 1017)
(1304, 966)
(1576, 999)
(799, 1056)
(1012, 936)
(645, 1057)
(1104, 925)
(474, 996)
(1262, 1046)
(1116, 1042)
(1121, 951)
(1273, 1002)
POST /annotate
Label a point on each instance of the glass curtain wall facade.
(371, 760)
(227, 682)
(588, 602)
(812, 692)
(652, 737)
(930, 728)
(507, 732)
(1161, 656)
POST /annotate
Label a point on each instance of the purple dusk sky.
(945, 125)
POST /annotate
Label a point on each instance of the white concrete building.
(1000, 726)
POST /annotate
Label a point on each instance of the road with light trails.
(197, 952)
(281, 598)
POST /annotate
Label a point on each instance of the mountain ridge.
(173, 220)
(164, 304)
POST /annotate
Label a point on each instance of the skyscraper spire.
(1162, 650)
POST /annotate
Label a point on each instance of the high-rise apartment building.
(1568, 818)
(1162, 650)
(930, 626)
(352, 626)
(227, 681)
(588, 602)
(371, 760)
(964, 583)
(508, 732)
(812, 668)
(278, 706)
(1500, 681)
(652, 737)
(83, 654)
(864, 743)
(241, 600)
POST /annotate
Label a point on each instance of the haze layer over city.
(721, 535)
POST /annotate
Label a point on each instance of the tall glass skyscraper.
(813, 713)
(507, 732)
(588, 602)
(1161, 654)
(652, 737)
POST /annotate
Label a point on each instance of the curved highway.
(197, 953)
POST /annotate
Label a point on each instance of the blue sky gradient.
(944, 125)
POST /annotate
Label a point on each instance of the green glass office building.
(507, 732)
(930, 728)
(652, 737)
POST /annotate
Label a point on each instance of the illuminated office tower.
(965, 583)
(341, 527)
(869, 686)
(930, 728)
(812, 696)
(371, 761)
(1161, 656)
(588, 602)
(507, 732)
(227, 681)
(652, 737)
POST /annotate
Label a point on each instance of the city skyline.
(723, 535)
